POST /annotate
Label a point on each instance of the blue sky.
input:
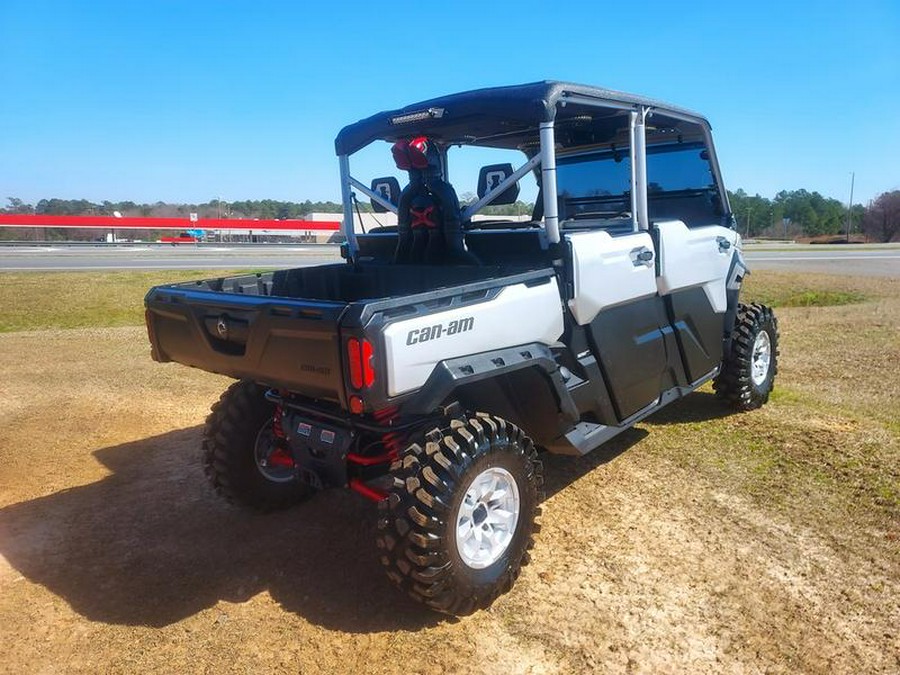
(189, 101)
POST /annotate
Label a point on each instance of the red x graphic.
(422, 217)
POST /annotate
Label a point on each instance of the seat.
(429, 222)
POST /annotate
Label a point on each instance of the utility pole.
(850, 207)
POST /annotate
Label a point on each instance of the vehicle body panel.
(607, 272)
(518, 314)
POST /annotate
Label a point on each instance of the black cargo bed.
(283, 328)
(345, 283)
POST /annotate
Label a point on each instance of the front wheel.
(461, 516)
(748, 372)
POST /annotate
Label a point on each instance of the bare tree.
(882, 219)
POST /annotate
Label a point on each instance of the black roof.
(506, 117)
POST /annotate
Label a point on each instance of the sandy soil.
(116, 556)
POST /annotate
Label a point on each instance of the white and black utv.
(429, 370)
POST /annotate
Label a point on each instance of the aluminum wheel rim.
(762, 357)
(263, 448)
(487, 518)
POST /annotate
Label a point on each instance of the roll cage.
(539, 119)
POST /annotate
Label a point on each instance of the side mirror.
(389, 188)
(491, 176)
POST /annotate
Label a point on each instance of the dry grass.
(35, 301)
(699, 542)
(778, 289)
(829, 438)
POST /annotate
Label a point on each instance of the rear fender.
(521, 384)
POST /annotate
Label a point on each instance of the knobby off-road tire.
(748, 371)
(451, 480)
(239, 424)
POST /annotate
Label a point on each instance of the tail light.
(360, 357)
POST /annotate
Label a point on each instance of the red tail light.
(360, 356)
(354, 358)
(368, 367)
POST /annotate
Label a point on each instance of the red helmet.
(413, 154)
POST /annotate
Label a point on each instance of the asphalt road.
(137, 257)
(870, 260)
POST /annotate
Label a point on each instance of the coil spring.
(392, 440)
(277, 428)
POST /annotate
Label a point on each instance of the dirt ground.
(698, 542)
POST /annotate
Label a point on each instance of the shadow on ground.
(561, 471)
(699, 406)
(151, 544)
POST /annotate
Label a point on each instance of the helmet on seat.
(429, 230)
(416, 154)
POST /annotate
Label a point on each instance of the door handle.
(723, 243)
(642, 256)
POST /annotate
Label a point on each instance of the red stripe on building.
(111, 223)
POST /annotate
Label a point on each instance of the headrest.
(413, 154)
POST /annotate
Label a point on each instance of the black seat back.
(429, 223)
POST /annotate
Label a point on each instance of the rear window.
(679, 177)
(596, 175)
(678, 168)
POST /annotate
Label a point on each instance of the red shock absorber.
(280, 455)
(392, 440)
(393, 444)
(277, 428)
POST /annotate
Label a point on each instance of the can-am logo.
(439, 330)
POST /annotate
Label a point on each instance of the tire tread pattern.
(734, 384)
(416, 518)
(228, 443)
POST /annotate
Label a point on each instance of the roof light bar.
(418, 116)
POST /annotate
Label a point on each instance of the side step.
(586, 436)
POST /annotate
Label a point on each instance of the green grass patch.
(41, 300)
(780, 461)
(821, 299)
(791, 289)
(784, 297)
(786, 396)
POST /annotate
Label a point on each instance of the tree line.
(795, 213)
(791, 213)
(264, 209)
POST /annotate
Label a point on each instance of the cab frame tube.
(548, 181)
(639, 168)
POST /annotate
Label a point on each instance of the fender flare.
(735, 278)
(451, 374)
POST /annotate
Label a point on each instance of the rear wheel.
(460, 518)
(244, 459)
(748, 372)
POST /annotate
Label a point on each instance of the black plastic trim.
(454, 373)
(737, 271)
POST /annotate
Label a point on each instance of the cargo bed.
(284, 328)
